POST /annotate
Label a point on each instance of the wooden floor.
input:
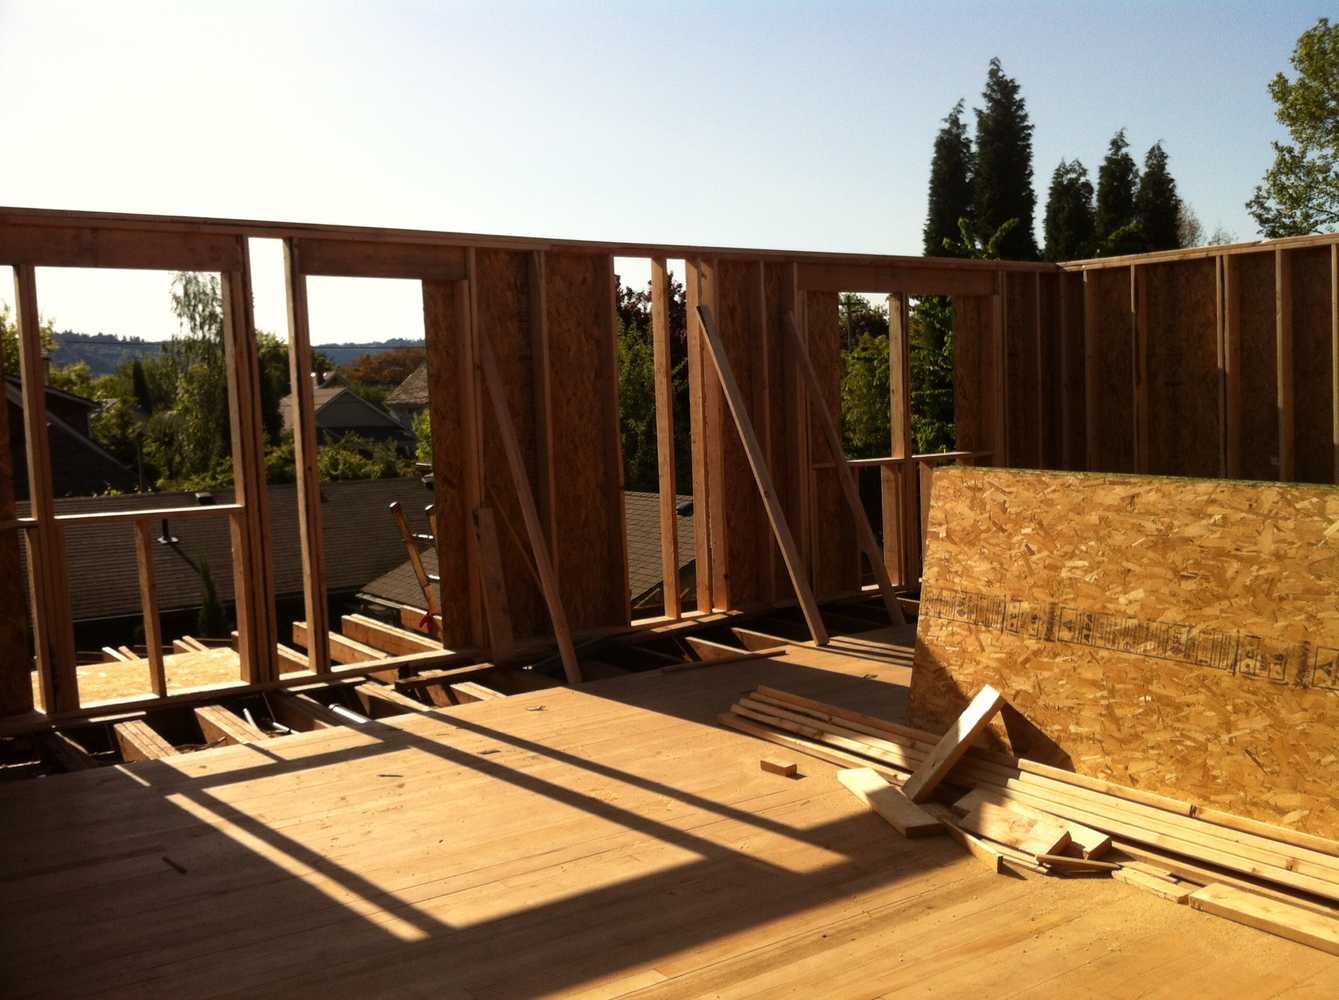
(605, 841)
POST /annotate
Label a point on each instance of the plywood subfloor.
(118, 679)
(604, 841)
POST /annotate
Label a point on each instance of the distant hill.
(103, 352)
(106, 352)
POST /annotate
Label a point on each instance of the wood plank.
(775, 515)
(1232, 360)
(430, 595)
(888, 801)
(1283, 365)
(53, 627)
(301, 713)
(825, 277)
(1171, 891)
(359, 259)
(1092, 843)
(501, 641)
(66, 752)
(311, 532)
(830, 754)
(954, 743)
(380, 700)
(754, 640)
(666, 478)
(139, 741)
(16, 662)
(387, 638)
(709, 650)
(1291, 922)
(1069, 862)
(699, 373)
(470, 691)
(342, 649)
(539, 547)
(864, 533)
(95, 246)
(900, 543)
(779, 766)
(1334, 355)
(1003, 825)
(982, 850)
(221, 726)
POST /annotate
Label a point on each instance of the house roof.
(16, 393)
(400, 585)
(79, 465)
(323, 396)
(413, 391)
(360, 536)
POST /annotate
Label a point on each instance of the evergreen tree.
(1157, 207)
(139, 384)
(1117, 188)
(1003, 175)
(950, 183)
(1071, 228)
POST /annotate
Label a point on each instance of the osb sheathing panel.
(15, 662)
(502, 278)
(1183, 372)
(741, 534)
(974, 380)
(1023, 395)
(588, 487)
(833, 546)
(1070, 409)
(1111, 408)
(1170, 634)
(444, 311)
(1253, 292)
(1313, 392)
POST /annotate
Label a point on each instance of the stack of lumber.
(1018, 814)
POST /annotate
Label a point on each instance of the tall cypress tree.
(1157, 206)
(1071, 228)
(950, 184)
(1117, 187)
(1003, 177)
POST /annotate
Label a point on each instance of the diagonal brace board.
(529, 513)
(864, 533)
(763, 476)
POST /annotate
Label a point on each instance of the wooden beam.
(953, 744)
(753, 640)
(887, 800)
(301, 713)
(310, 530)
(1334, 355)
(427, 678)
(148, 596)
(222, 727)
(664, 381)
(613, 440)
(139, 741)
(864, 533)
(715, 350)
(698, 386)
(379, 700)
(66, 752)
(342, 649)
(948, 280)
(471, 691)
(1283, 341)
(1292, 922)
(501, 640)
(898, 537)
(289, 658)
(53, 624)
(359, 259)
(387, 638)
(1004, 826)
(91, 246)
(538, 544)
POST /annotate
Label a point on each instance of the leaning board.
(1172, 634)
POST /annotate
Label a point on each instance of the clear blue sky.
(800, 126)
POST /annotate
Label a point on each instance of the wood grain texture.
(1023, 400)
(834, 555)
(975, 386)
(1313, 365)
(1182, 368)
(588, 501)
(1253, 299)
(16, 662)
(1110, 379)
(1071, 407)
(1179, 636)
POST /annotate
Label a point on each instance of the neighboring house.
(79, 465)
(340, 411)
(410, 398)
(361, 539)
(399, 587)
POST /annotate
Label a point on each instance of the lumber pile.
(1023, 816)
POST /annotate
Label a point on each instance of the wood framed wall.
(1206, 362)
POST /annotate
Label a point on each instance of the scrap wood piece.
(139, 741)
(775, 765)
(1013, 829)
(221, 726)
(954, 743)
(829, 754)
(762, 475)
(1092, 843)
(1167, 889)
(1292, 922)
(976, 847)
(905, 816)
(854, 739)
